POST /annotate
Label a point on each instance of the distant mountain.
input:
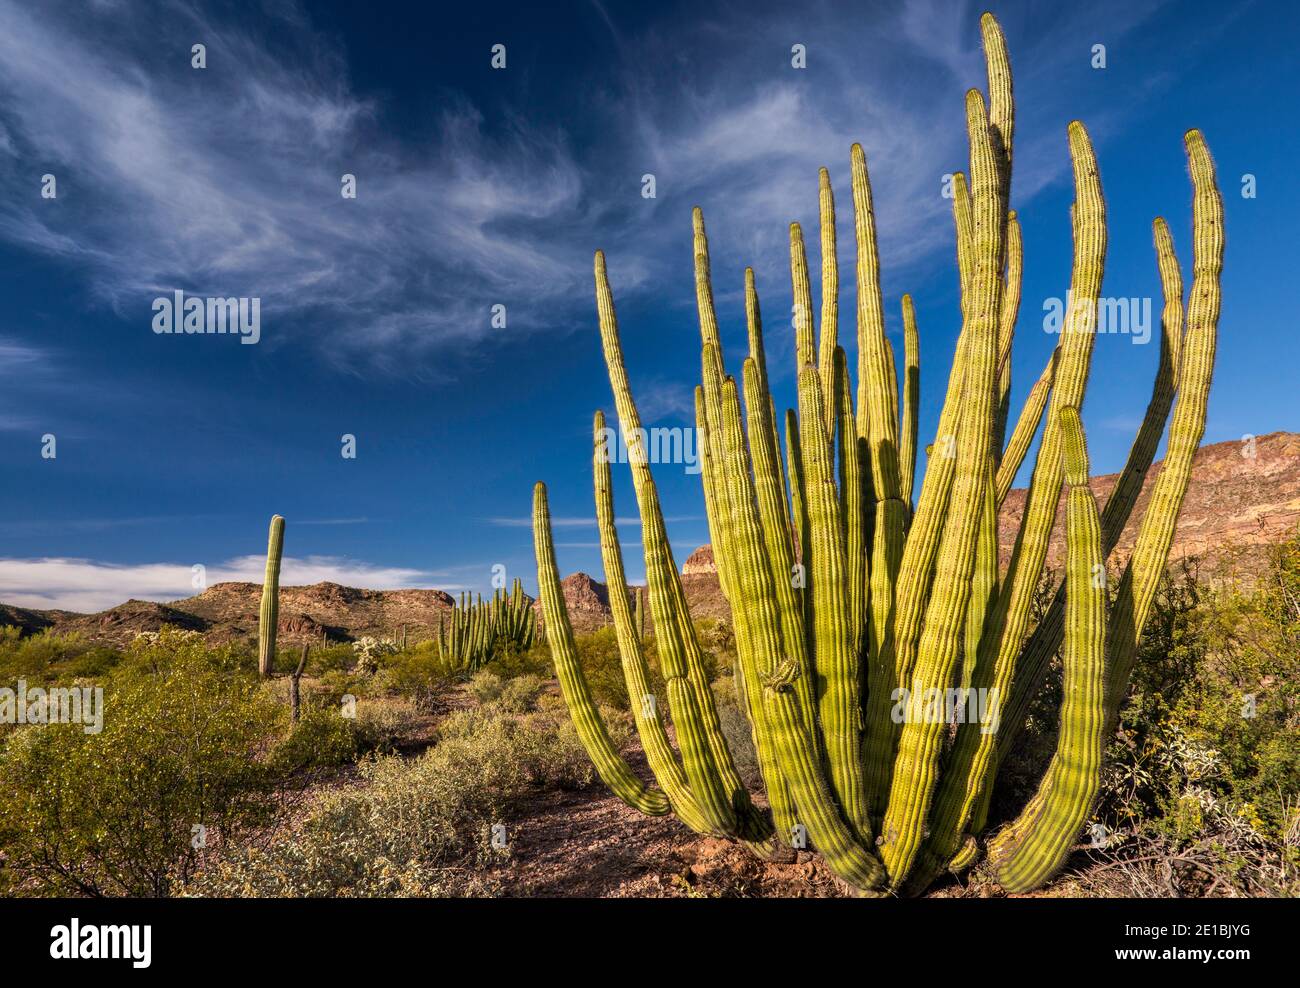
(1244, 497)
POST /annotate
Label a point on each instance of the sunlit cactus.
(476, 631)
(269, 616)
(860, 612)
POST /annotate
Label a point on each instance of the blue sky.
(479, 187)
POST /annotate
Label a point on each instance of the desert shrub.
(511, 696)
(603, 668)
(47, 657)
(535, 661)
(419, 674)
(323, 659)
(1213, 712)
(719, 641)
(326, 735)
(485, 686)
(384, 723)
(322, 737)
(519, 695)
(334, 686)
(112, 813)
(414, 827)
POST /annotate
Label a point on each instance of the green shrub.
(535, 661)
(113, 813)
(511, 696)
(383, 724)
(322, 737)
(417, 673)
(321, 659)
(47, 657)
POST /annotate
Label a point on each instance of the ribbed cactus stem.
(911, 413)
(964, 223)
(1046, 639)
(834, 659)
(891, 660)
(1013, 457)
(1151, 550)
(613, 770)
(1056, 816)
(646, 714)
(713, 778)
(758, 641)
(805, 349)
(835, 583)
(269, 617)
(973, 756)
(1007, 328)
(769, 489)
(920, 742)
(877, 416)
(830, 314)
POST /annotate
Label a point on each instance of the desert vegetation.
(886, 709)
(402, 797)
(851, 603)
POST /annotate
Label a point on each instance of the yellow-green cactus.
(1047, 830)
(269, 617)
(853, 608)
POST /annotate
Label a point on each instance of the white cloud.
(226, 180)
(88, 585)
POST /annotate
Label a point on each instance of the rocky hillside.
(1244, 497)
(227, 611)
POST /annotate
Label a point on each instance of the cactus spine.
(845, 599)
(269, 616)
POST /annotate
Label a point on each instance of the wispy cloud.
(230, 175)
(231, 178)
(90, 585)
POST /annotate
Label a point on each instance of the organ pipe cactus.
(864, 621)
(475, 631)
(269, 616)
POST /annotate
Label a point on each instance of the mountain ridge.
(1244, 496)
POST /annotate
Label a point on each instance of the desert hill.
(1244, 496)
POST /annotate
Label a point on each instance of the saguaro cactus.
(269, 617)
(865, 623)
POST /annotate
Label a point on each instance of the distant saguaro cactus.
(270, 613)
(859, 617)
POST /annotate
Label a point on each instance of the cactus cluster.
(860, 610)
(476, 630)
